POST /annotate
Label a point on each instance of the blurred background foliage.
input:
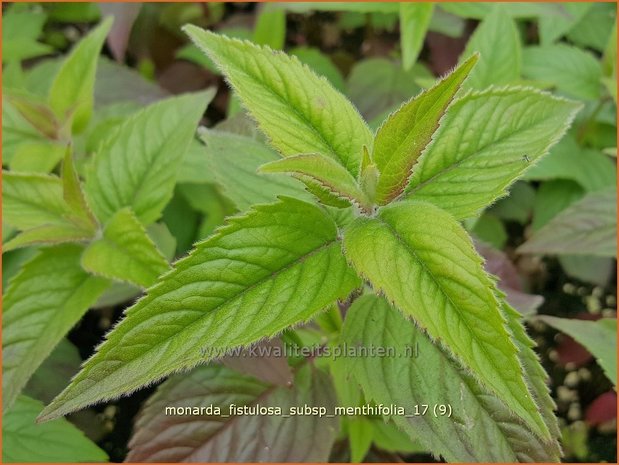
(379, 55)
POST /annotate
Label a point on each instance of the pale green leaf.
(71, 95)
(275, 267)
(299, 111)
(79, 211)
(572, 70)
(479, 10)
(599, 337)
(424, 262)
(480, 429)
(16, 130)
(484, 143)
(595, 27)
(377, 86)
(137, 165)
(231, 437)
(588, 268)
(553, 197)
(497, 40)
(125, 252)
(569, 160)
(39, 310)
(587, 227)
(20, 31)
(37, 157)
(321, 64)
(48, 234)
(414, 22)
(406, 133)
(323, 170)
(31, 200)
(234, 160)
(360, 431)
(553, 27)
(23, 440)
(270, 28)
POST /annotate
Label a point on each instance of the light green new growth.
(71, 95)
(406, 133)
(125, 252)
(325, 171)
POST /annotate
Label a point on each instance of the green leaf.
(323, 170)
(497, 40)
(39, 311)
(37, 157)
(16, 130)
(137, 165)
(515, 10)
(71, 95)
(569, 160)
(31, 200)
(599, 337)
(570, 69)
(321, 64)
(484, 143)
(20, 31)
(54, 373)
(422, 259)
(406, 133)
(518, 205)
(35, 204)
(80, 212)
(553, 197)
(125, 252)
(270, 28)
(23, 440)
(587, 227)
(36, 112)
(414, 22)
(360, 431)
(231, 437)
(553, 27)
(536, 377)
(595, 27)
(377, 85)
(481, 428)
(234, 161)
(299, 111)
(275, 267)
(491, 230)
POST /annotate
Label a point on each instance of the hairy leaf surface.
(299, 111)
(406, 133)
(323, 170)
(125, 252)
(485, 142)
(23, 440)
(423, 261)
(42, 303)
(481, 428)
(587, 227)
(237, 438)
(137, 165)
(72, 91)
(275, 267)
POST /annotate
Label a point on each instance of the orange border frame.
(284, 1)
